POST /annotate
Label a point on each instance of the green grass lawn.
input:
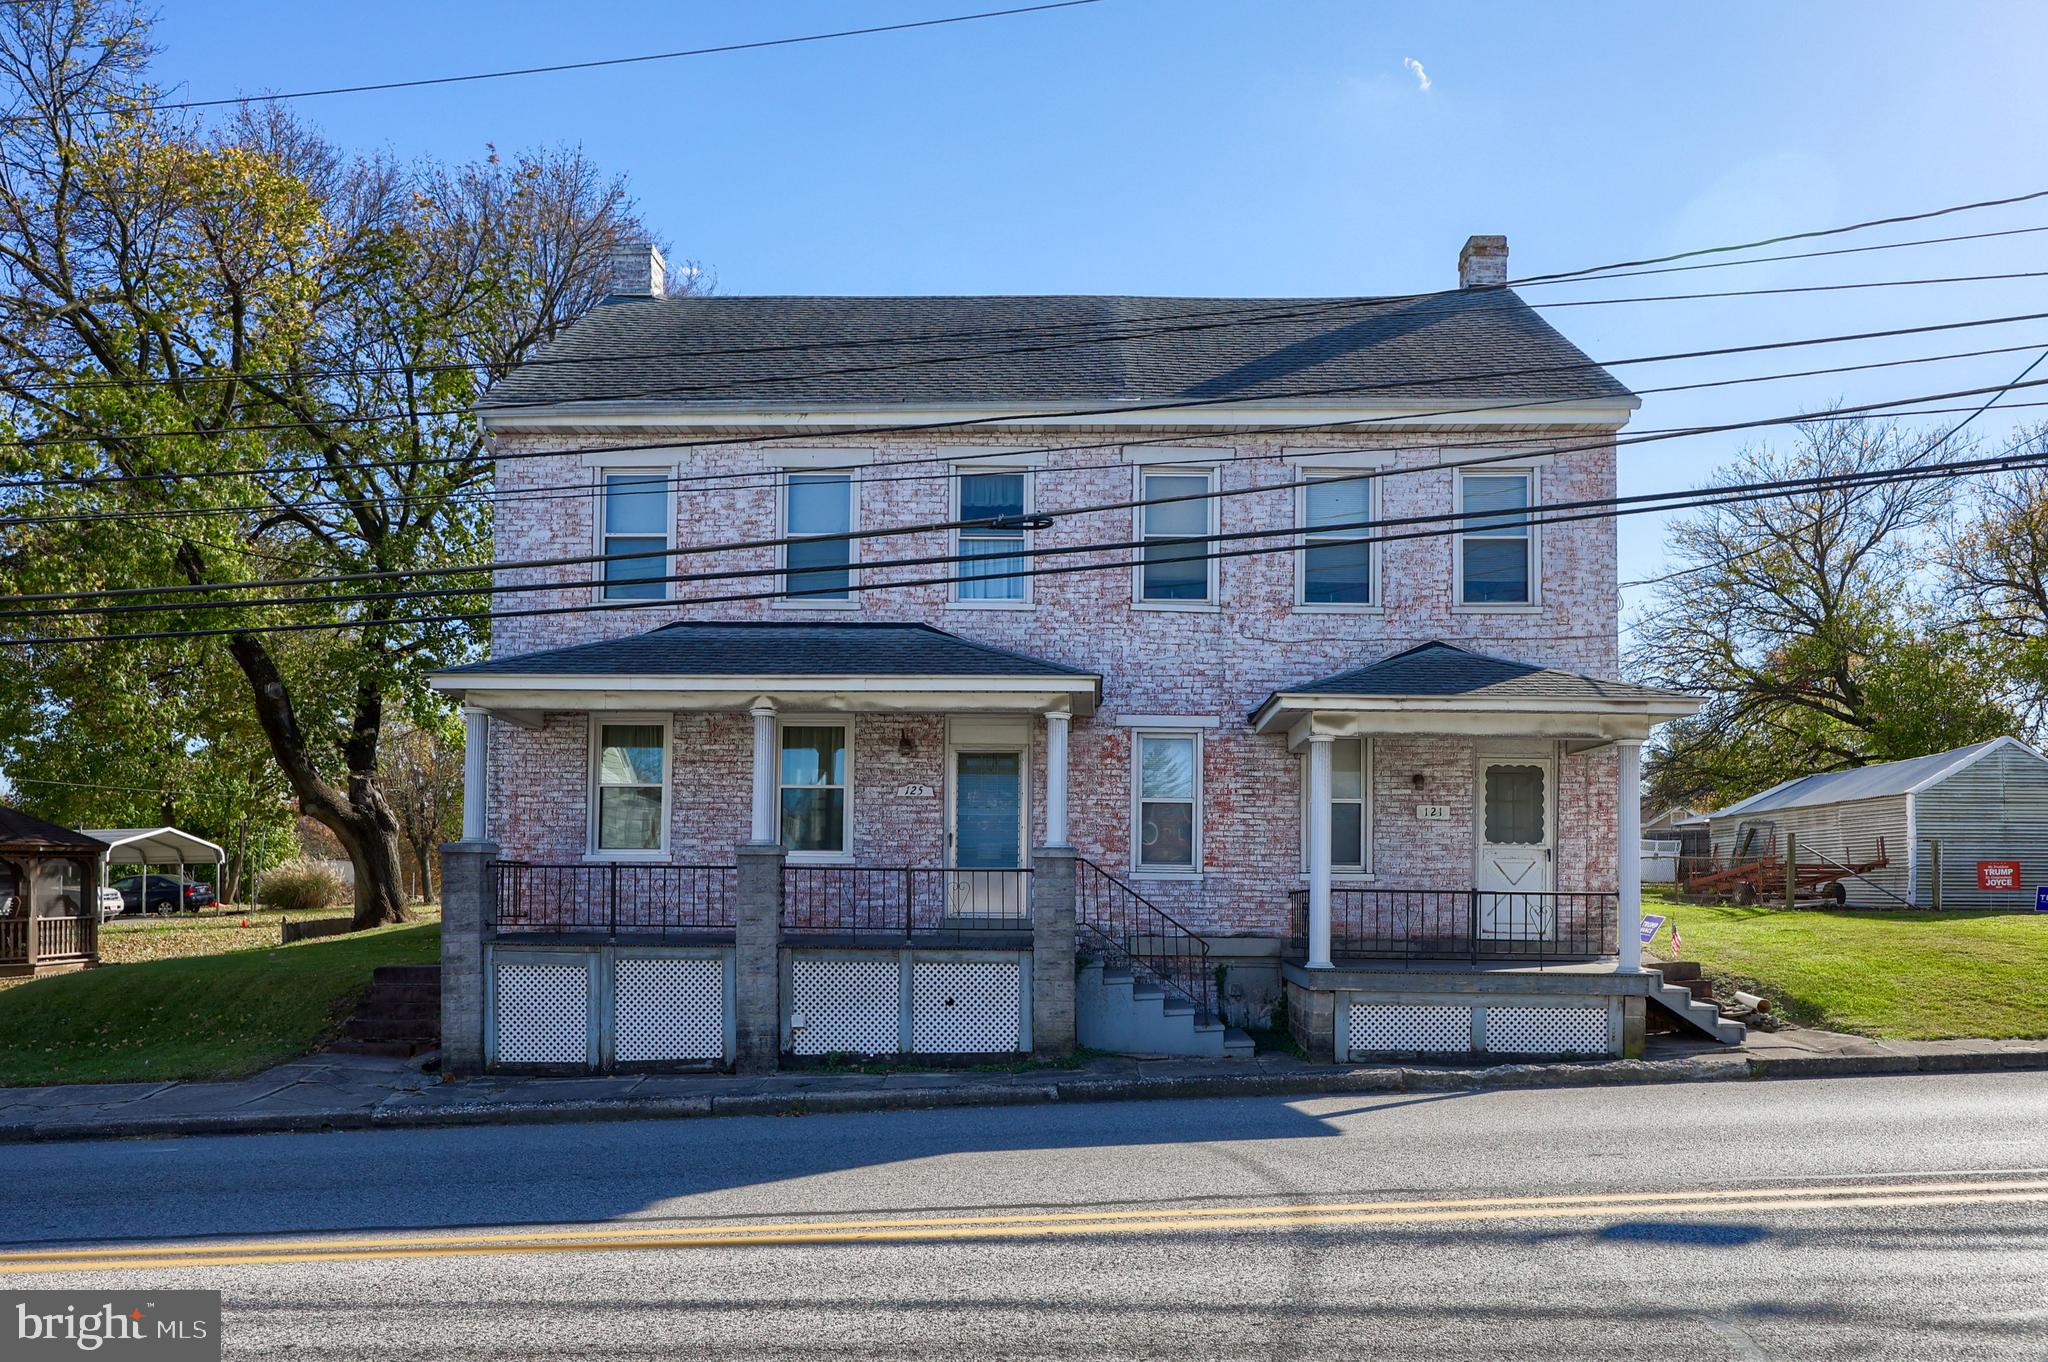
(249, 1004)
(1891, 975)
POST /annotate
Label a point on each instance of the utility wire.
(588, 488)
(468, 77)
(1611, 508)
(1217, 494)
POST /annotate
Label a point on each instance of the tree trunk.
(425, 862)
(358, 817)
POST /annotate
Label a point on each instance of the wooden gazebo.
(49, 896)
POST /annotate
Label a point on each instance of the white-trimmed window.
(1174, 567)
(1350, 807)
(815, 785)
(817, 517)
(629, 785)
(636, 519)
(1336, 555)
(1167, 800)
(993, 556)
(1497, 546)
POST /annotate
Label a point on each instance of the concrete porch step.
(1702, 1016)
(1129, 1014)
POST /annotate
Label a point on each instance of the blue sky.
(1221, 147)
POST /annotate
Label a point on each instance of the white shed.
(1986, 806)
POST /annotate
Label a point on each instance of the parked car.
(165, 894)
(111, 902)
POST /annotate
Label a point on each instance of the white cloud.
(1421, 76)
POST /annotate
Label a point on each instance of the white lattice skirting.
(1412, 1028)
(669, 1009)
(543, 1013)
(1546, 1030)
(845, 1006)
(966, 1007)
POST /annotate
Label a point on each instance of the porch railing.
(56, 939)
(1131, 932)
(904, 901)
(1466, 924)
(617, 899)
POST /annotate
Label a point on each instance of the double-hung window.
(814, 781)
(635, 521)
(1336, 553)
(1174, 565)
(1169, 802)
(817, 517)
(1497, 549)
(632, 780)
(992, 557)
(1350, 807)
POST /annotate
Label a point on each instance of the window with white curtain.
(631, 780)
(1168, 836)
(815, 780)
(992, 555)
(1350, 807)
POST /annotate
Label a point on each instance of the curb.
(1612, 1073)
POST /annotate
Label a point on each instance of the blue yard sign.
(1654, 922)
(2041, 899)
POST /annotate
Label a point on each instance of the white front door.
(1516, 871)
(985, 833)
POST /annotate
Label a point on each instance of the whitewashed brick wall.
(1217, 664)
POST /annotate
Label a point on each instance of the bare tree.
(422, 774)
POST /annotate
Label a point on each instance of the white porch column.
(476, 729)
(1056, 779)
(763, 829)
(1319, 851)
(1628, 838)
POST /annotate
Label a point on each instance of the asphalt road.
(1905, 1218)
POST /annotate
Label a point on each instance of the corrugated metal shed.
(1986, 802)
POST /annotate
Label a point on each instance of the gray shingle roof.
(694, 648)
(25, 831)
(1863, 782)
(1070, 349)
(1443, 671)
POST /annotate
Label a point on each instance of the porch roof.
(1438, 687)
(710, 665)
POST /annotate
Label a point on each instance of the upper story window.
(992, 556)
(817, 515)
(1174, 566)
(814, 780)
(636, 519)
(1169, 802)
(1336, 555)
(1497, 549)
(631, 786)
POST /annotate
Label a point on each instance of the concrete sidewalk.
(358, 1092)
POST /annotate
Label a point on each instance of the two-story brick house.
(1236, 626)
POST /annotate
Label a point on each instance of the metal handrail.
(1122, 921)
(613, 897)
(1387, 923)
(905, 901)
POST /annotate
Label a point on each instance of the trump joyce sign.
(1992, 875)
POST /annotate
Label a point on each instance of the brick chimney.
(638, 271)
(1484, 262)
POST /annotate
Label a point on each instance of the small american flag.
(1676, 944)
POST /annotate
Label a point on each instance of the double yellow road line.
(1050, 1224)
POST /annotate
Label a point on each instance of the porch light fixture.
(906, 746)
(1418, 779)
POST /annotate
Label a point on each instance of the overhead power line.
(1599, 509)
(893, 531)
(557, 67)
(1351, 390)
(950, 468)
